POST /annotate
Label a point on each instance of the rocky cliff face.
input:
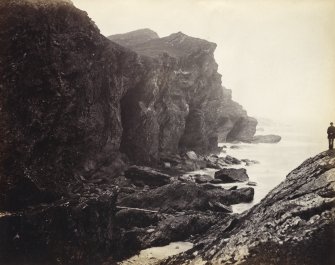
(60, 92)
(71, 99)
(61, 83)
(180, 103)
(294, 224)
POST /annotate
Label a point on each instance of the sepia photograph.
(167, 132)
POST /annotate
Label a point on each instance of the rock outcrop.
(60, 92)
(229, 175)
(185, 196)
(76, 230)
(294, 224)
(179, 104)
(146, 176)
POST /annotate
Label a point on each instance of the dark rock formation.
(180, 103)
(130, 218)
(61, 83)
(268, 139)
(180, 227)
(78, 230)
(185, 196)
(230, 160)
(60, 91)
(146, 176)
(202, 178)
(294, 224)
(243, 130)
(229, 175)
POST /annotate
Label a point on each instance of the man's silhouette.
(331, 135)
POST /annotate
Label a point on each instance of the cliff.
(294, 224)
(61, 83)
(180, 103)
(61, 87)
(71, 100)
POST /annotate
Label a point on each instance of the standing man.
(331, 135)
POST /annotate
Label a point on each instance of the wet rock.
(202, 178)
(173, 159)
(230, 175)
(141, 175)
(228, 197)
(180, 227)
(219, 207)
(216, 181)
(128, 218)
(296, 219)
(231, 160)
(213, 161)
(69, 231)
(185, 178)
(268, 139)
(210, 186)
(185, 196)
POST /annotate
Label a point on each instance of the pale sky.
(277, 56)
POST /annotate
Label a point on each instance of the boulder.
(230, 175)
(231, 160)
(202, 178)
(213, 161)
(141, 175)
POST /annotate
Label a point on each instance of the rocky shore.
(294, 224)
(98, 137)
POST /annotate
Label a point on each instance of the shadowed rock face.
(70, 231)
(180, 103)
(60, 91)
(294, 224)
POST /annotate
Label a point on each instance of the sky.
(277, 56)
